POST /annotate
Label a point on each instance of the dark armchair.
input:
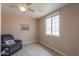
(10, 49)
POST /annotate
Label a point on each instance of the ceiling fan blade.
(31, 9)
(28, 3)
(13, 6)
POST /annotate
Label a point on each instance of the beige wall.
(78, 33)
(11, 25)
(68, 41)
(0, 26)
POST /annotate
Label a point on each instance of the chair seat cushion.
(14, 47)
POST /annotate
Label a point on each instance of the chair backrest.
(6, 37)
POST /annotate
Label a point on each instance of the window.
(52, 25)
(55, 25)
(48, 26)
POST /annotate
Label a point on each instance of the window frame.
(46, 28)
(58, 26)
(52, 27)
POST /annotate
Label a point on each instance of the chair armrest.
(18, 40)
(7, 46)
(4, 46)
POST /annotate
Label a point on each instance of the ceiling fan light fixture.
(22, 9)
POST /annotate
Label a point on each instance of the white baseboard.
(29, 42)
(53, 48)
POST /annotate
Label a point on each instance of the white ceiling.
(46, 8)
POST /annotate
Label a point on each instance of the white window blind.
(55, 25)
(52, 25)
(48, 26)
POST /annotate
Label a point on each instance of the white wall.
(11, 25)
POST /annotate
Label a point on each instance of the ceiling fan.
(24, 7)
